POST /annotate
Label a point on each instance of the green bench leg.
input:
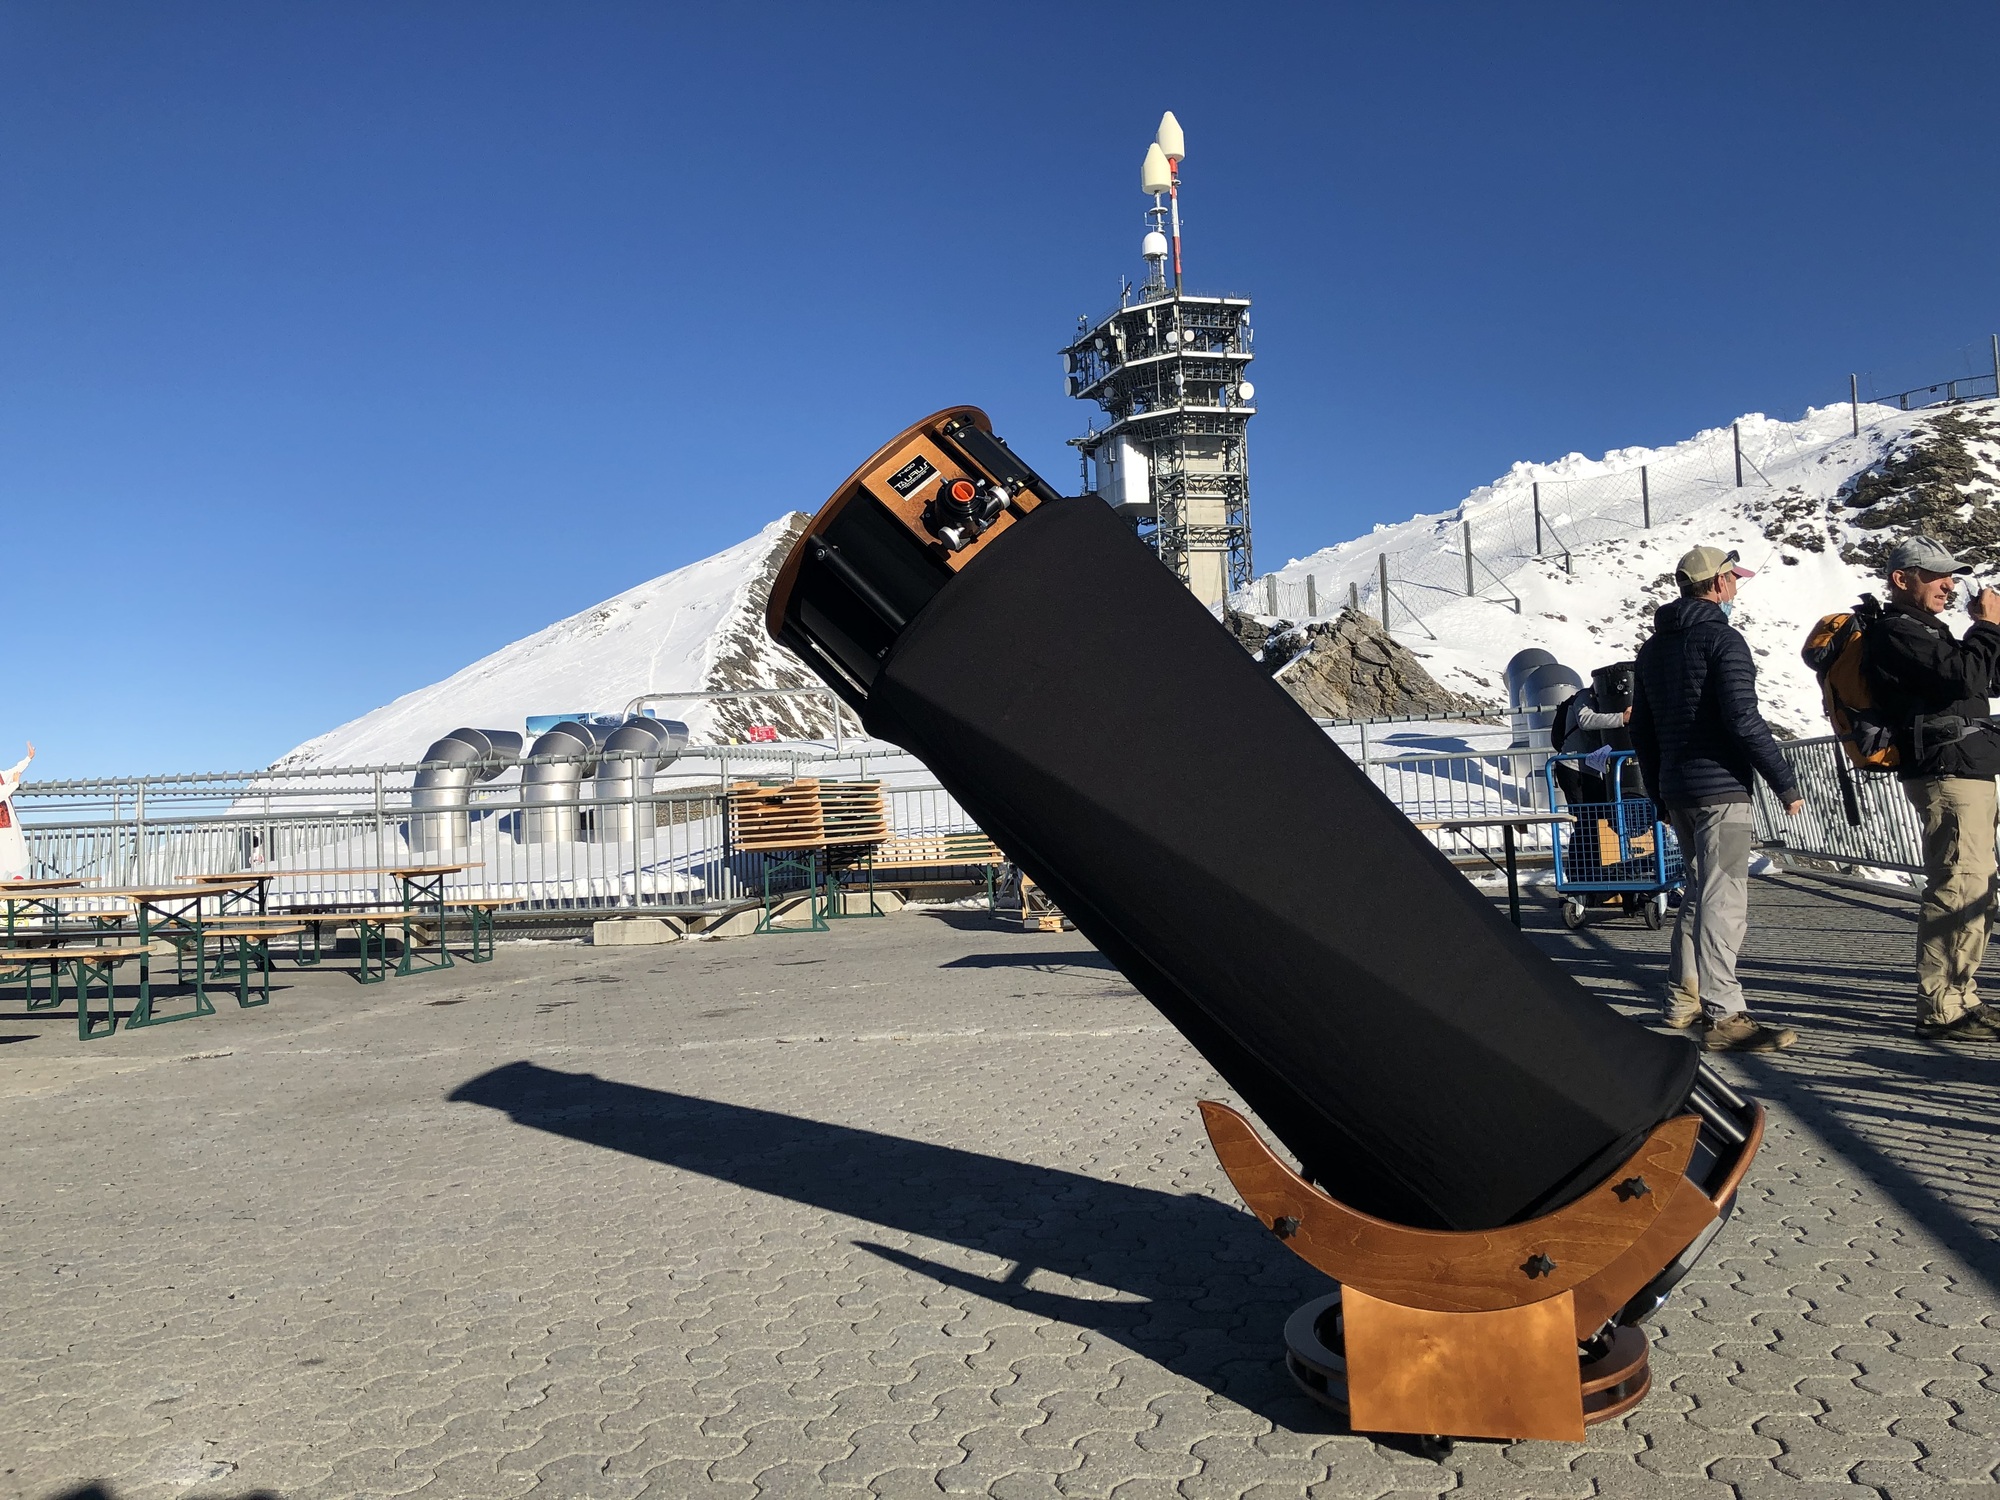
(481, 949)
(375, 936)
(54, 998)
(83, 974)
(246, 949)
(142, 1013)
(412, 952)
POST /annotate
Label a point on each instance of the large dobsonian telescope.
(1504, 1175)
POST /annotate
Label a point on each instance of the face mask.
(1728, 608)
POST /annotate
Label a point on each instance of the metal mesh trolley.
(1619, 853)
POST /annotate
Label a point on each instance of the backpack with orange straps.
(1833, 651)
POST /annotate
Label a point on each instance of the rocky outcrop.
(1944, 482)
(1349, 667)
(743, 655)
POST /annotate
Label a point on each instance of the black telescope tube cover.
(1425, 1062)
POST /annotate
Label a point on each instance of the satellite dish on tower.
(1170, 139)
(1155, 176)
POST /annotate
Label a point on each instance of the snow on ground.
(1787, 521)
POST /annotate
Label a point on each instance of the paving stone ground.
(917, 1206)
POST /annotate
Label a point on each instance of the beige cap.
(1704, 563)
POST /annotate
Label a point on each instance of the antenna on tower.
(1156, 176)
(1173, 145)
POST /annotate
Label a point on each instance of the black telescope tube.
(1424, 1061)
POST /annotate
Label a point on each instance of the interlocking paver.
(915, 1207)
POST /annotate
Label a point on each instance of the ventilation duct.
(633, 753)
(549, 793)
(440, 795)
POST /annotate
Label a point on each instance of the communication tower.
(1168, 368)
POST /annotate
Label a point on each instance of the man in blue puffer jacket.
(1700, 738)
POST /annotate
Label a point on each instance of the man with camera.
(1933, 687)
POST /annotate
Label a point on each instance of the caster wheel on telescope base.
(1614, 1371)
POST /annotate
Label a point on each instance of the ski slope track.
(1816, 512)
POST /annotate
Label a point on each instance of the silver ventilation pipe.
(549, 794)
(633, 753)
(441, 792)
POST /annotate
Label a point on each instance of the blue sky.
(341, 344)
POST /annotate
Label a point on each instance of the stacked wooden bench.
(808, 827)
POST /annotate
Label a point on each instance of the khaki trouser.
(1715, 907)
(1957, 813)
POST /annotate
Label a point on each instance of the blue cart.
(1619, 854)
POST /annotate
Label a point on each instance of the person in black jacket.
(1700, 739)
(1934, 688)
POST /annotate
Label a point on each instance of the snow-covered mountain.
(1816, 509)
(701, 626)
(1815, 513)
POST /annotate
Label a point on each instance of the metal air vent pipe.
(549, 811)
(621, 783)
(450, 767)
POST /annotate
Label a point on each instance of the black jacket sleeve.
(1929, 667)
(1735, 674)
(1645, 739)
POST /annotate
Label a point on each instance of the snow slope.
(1793, 520)
(701, 626)
(1814, 507)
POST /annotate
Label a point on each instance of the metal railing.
(665, 849)
(1858, 820)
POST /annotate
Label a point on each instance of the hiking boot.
(1738, 1033)
(1980, 1024)
(1684, 1012)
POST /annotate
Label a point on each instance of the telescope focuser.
(961, 511)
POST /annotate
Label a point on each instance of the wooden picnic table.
(231, 883)
(87, 966)
(172, 912)
(1507, 823)
(32, 894)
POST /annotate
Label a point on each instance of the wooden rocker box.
(1515, 1332)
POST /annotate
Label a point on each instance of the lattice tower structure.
(1169, 369)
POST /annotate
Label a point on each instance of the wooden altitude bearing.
(1475, 1334)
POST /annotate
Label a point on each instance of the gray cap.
(1926, 553)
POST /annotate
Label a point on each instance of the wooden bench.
(479, 911)
(934, 851)
(371, 926)
(87, 966)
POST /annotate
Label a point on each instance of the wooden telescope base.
(1514, 1332)
(1611, 1381)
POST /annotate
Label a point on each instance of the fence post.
(1382, 570)
(1646, 496)
(381, 829)
(1736, 438)
(139, 835)
(1854, 387)
(1538, 519)
(1270, 593)
(1354, 596)
(1312, 597)
(1465, 536)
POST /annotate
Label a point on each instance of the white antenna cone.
(1155, 176)
(1170, 139)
